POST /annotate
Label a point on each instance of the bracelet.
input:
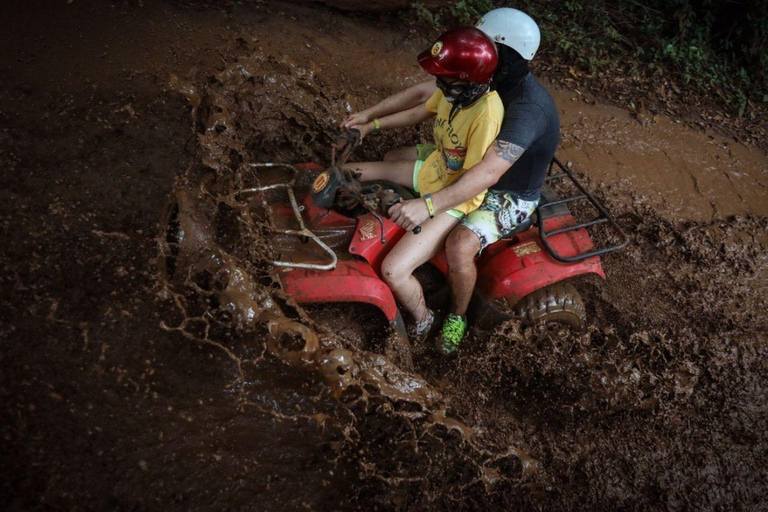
(430, 207)
(376, 126)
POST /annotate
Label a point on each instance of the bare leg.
(400, 172)
(460, 249)
(410, 252)
(404, 153)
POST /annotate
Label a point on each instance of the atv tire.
(559, 302)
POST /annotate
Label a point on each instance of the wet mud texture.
(209, 389)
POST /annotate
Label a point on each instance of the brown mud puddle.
(120, 391)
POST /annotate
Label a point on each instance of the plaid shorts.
(499, 214)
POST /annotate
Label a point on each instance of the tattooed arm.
(498, 159)
(506, 151)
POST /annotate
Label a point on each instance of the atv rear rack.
(585, 195)
(301, 233)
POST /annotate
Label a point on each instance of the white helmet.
(512, 28)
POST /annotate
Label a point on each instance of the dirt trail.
(660, 405)
(683, 173)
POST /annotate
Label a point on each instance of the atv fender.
(520, 265)
(350, 281)
(515, 268)
(367, 240)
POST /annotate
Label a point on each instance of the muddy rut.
(125, 385)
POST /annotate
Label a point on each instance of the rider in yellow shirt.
(468, 117)
(459, 144)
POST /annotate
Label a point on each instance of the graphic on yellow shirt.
(454, 158)
(460, 143)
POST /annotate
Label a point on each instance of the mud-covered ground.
(112, 400)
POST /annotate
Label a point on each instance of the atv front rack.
(544, 211)
(301, 233)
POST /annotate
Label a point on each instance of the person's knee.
(461, 247)
(392, 155)
(398, 154)
(392, 273)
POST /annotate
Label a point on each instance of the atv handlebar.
(344, 142)
(344, 188)
(399, 199)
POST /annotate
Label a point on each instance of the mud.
(126, 386)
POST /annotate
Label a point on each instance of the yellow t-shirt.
(460, 144)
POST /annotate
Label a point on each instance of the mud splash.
(258, 102)
(659, 405)
(234, 288)
(227, 292)
(640, 367)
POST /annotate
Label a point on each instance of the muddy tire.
(187, 230)
(559, 302)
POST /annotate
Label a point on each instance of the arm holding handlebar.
(404, 100)
(409, 117)
(497, 160)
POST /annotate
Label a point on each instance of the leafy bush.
(717, 47)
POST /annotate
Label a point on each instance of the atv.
(332, 237)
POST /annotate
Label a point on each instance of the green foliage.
(425, 15)
(464, 12)
(467, 12)
(713, 46)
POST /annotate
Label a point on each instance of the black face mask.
(461, 96)
(511, 70)
(451, 91)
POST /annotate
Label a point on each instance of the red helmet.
(463, 53)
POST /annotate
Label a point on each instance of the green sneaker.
(454, 328)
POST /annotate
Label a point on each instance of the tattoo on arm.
(507, 151)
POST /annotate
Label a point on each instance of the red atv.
(525, 275)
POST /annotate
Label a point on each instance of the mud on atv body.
(523, 275)
(333, 254)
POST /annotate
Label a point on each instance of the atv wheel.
(559, 302)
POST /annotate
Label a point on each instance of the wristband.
(430, 207)
(376, 126)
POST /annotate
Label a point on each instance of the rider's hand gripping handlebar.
(392, 202)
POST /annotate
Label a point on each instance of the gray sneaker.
(420, 330)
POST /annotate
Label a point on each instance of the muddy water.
(124, 390)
